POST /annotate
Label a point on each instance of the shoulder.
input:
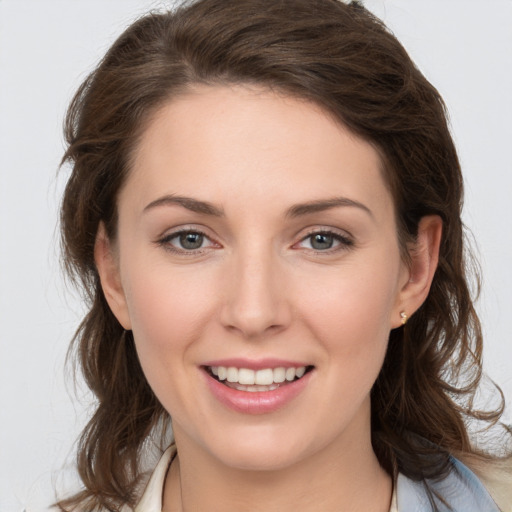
(459, 491)
(497, 478)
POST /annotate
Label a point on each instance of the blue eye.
(190, 240)
(186, 241)
(325, 241)
(322, 241)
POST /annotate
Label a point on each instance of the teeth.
(299, 372)
(246, 376)
(252, 389)
(264, 377)
(279, 375)
(251, 379)
(232, 374)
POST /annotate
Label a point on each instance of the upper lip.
(256, 364)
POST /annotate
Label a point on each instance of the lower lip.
(258, 402)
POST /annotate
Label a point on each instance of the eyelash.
(344, 242)
(165, 242)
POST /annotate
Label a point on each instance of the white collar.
(152, 497)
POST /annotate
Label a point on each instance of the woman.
(265, 208)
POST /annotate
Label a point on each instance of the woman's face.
(257, 243)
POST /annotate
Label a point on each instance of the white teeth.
(299, 372)
(265, 377)
(290, 374)
(253, 380)
(246, 376)
(232, 374)
(252, 389)
(279, 375)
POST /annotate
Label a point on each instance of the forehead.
(223, 142)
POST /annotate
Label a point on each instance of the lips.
(261, 389)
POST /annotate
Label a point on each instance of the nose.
(255, 302)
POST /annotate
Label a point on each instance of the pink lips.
(260, 402)
(255, 364)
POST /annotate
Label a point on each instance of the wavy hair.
(342, 58)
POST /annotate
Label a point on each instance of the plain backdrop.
(47, 47)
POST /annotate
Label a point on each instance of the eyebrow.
(189, 203)
(325, 204)
(298, 210)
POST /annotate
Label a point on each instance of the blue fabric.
(461, 489)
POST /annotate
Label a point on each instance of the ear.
(420, 270)
(107, 264)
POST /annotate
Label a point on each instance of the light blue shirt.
(461, 489)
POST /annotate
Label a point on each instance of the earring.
(404, 317)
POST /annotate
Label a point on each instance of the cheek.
(354, 299)
(168, 311)
(351, 313)
(352, 323)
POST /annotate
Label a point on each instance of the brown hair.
(342, 58)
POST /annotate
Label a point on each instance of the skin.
(258, 287)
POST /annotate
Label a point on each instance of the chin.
(264, 451)
(260, 460)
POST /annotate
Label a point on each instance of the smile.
(262, 381)
(266, 377)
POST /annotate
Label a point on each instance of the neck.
(346, 476)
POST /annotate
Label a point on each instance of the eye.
(325, 241)
(190, 240)
(321, 241)
(186, 241)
